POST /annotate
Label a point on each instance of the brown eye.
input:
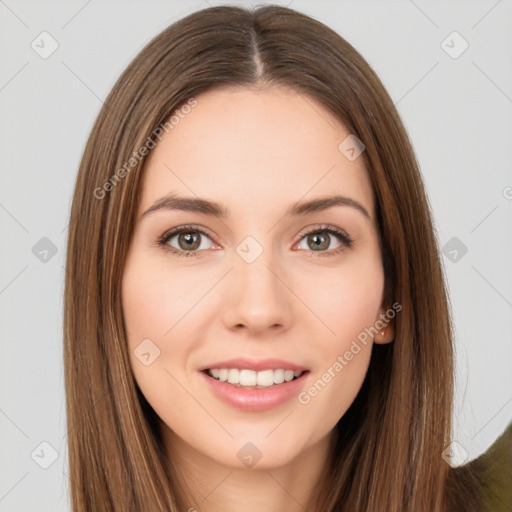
(318, 241)
(189, 241)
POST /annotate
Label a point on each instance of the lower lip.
(256, 400)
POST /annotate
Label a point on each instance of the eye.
(320, 239)
(189, 240)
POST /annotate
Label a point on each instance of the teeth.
(252, 378)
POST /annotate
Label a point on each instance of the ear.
(385, 325)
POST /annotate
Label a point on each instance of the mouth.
(255, 390)
(251, 379)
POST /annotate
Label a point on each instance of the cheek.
(348, 303)
(160, 307)
(145, 309)
(150, 311)
(350, 299)
(152, 303)
(342, 359)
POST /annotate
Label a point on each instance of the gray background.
(458, 112)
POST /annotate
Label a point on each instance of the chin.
(257, 453)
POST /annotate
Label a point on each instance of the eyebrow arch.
(194, 204)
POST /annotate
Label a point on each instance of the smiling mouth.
(250, 379)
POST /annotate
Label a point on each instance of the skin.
(256, 152)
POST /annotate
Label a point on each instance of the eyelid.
(314, 228)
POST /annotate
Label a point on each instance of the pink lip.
(257, 366)
(255, 400)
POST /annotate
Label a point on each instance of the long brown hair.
(387, 454)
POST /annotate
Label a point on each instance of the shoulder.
(494, 471)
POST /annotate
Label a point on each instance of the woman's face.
(261, 287)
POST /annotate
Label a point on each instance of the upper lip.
(255, 365)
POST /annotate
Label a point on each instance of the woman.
(300, 355)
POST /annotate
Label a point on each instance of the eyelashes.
(332, 232)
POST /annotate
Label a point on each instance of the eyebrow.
(207, 207)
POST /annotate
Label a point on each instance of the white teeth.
(234, 376)
(264, 378)
(278, 376)
(245, 377)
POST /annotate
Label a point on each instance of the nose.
(257, 300)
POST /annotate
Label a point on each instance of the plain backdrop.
(456, 103)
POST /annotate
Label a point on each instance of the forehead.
(244, 146)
